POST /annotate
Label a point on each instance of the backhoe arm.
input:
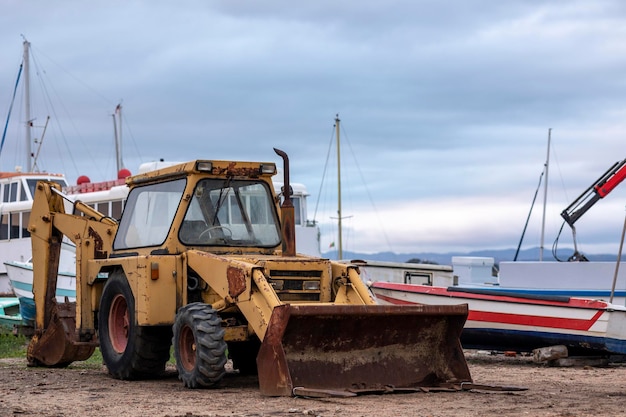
(56, 325)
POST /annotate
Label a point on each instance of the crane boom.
(599, 189)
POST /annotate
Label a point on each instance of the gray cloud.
(441, 103)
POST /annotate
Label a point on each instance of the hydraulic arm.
(599, 189)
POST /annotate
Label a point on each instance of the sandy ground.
(84, 391)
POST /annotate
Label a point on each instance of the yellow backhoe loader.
(204, 258)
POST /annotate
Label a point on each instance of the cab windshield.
(149, 214)
(231, 213)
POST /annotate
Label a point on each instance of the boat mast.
(29, 152)
(340, 244)
(545, 198)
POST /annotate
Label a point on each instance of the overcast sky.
(445, 106)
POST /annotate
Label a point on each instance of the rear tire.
(129, 351)
(199, 347)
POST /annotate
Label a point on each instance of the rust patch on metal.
(56, 345)
(98, 244)
(236, 281)
(359, 348)
(233, 170)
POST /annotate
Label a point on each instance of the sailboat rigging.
(340, 216)
(545, 199)
(6, 125)
(39, 144)
(338, 242)
(25, 69)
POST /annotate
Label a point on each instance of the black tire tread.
(210, 345)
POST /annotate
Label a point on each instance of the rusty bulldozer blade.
(360, 348)
(55, 346)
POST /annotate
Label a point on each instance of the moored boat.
(574, 279)
(595, 280)
(520, 323)
(21, 280)
(9, 312)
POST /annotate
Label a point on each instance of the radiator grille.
(296, 285)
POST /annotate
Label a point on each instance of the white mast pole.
(545, 198)
(339, 226)
(29, 152)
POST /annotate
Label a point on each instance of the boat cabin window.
(14, 225)
(151, 209)
(9, 193)
(297, 208)
(32, 183)
(4, 227)
(116, 208)
(111, 209)
(231, 213)
(24, 224)
(14, 188)
(418, 278)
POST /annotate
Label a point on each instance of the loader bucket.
(352, 349)
(54, 346)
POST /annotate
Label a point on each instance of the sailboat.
(374, 270)
(107, 197)
(535, 304)
(17, 189)
(577, 277)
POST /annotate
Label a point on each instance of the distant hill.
(531, 254)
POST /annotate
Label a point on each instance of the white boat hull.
(574, 279)
(21, 278)
(501, 322)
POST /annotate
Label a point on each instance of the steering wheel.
(212, 228)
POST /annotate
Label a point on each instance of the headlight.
(204, 166)
(277, 284)
(311, 285)
(268, 169)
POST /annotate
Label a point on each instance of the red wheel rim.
(119, 324)
(187, 348)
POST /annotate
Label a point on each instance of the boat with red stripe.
(501, 321)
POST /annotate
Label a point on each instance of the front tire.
(199, 346)
(129, 351)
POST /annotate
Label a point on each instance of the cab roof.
(216, 168)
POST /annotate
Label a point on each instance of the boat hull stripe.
(518, 319)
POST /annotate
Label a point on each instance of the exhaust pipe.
(287, 212)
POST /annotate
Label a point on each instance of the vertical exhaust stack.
(288, 222)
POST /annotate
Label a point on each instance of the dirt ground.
(84, 391)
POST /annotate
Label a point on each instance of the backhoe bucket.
(55, 345)
(320, 350)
